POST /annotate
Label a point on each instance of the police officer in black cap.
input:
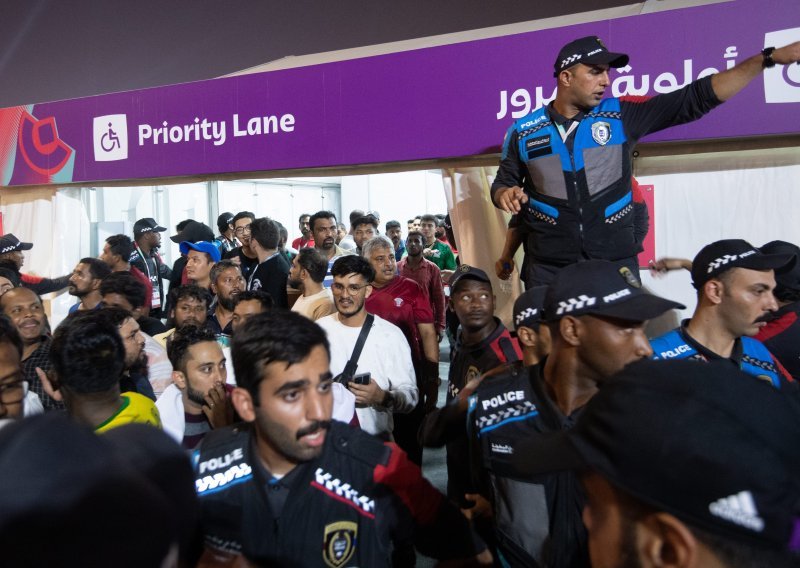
(145, 257)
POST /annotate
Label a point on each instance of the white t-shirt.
(386, 356)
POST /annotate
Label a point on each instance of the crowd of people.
(296, 384)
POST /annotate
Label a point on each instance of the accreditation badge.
(601, 132)
(339, 543)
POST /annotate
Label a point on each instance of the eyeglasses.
(242, 230)
(13, 392)
(352, 289)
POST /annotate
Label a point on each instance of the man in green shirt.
(436, 251)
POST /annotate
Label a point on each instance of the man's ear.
(570, 328)
(714, 290)
(214, 288)
(663, 540)
(369, 291)
(527, 337)
(243, 403)
(179, 379)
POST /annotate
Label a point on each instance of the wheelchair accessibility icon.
(110, 137)
(109, 140)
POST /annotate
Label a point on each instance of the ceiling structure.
(52, 50)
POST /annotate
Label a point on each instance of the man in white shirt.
(386, 355)
(307, 274)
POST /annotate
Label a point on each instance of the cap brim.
(641, 307)
(178, 239)
(546, 453)
(777, 262)
(159, 229)
(24, 246)
(607, 58)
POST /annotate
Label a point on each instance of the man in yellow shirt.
(88, 359)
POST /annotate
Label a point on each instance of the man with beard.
(385, 357)
(684, 465)
(427, 275)
(89, 358)
(85, 282)
(273, 269)
(25, 310)
(596, 312)
(483, 344)
(401, 301)
(116, 254)
(226, 283)
(364, 228)
(197, 401)
(145, 257)
(307, 274)
(310, 489)
(243, 255)
(323, 227)
(191, 307)
(734, 283)
(135, 373)
(306, 239)
(395, 233)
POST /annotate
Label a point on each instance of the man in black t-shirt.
(272, 271)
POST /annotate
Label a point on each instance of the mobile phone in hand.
(361, 378)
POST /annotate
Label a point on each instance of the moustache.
(313, 428)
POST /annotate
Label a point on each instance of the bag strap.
(350, 369)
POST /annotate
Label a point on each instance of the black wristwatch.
(768, 62)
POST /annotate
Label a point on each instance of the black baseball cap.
(465, 271)
(705, 442)
(721, 256)
(602, 288)
(789, 276)
(528, 307)
(589, 50)
(224, 220)
(145, 225)
(193, 232)
(10, 243)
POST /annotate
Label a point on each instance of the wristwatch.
(768, 62)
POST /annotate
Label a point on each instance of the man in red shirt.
(306, 238)
(402, 302)
(116, 252)
(427, 275)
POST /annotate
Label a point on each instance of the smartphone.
(361, 378)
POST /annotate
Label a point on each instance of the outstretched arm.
(730, 82)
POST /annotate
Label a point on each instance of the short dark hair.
(87, 352)
(269, 337)
(121, 246)
(410, 221)
(415, 234)
(8, 332)
(97, 268)
(355, 214)
(222, 266)
(261, 295)
(125, 284)
(180, 342)
(314, 263)
(243, 215)
(353, 264)
(320, 215)
(392, 225)
(365, 220)
(265, 232)
(115, 316)
(188, 291)
(429, 219)
(300, 218)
